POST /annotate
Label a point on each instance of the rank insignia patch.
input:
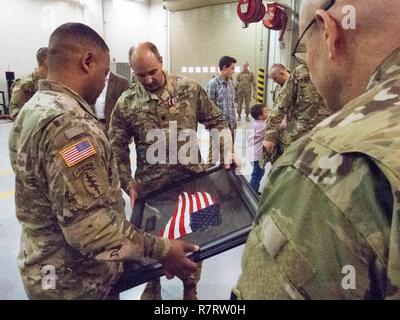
(77, 152)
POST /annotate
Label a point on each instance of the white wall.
(126, 24)
(159, 29)
(93, 15)
(27, 24)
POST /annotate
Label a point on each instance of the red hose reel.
(273, 14)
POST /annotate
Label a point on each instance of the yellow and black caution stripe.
(260, 85)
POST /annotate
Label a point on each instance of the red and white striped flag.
(193, 212)
(77, 152)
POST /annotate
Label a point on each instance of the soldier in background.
(24, 88)
(245, 86)
(301, 103)
(328, 222)
(280, 75)
(156, 101)
(68, 195)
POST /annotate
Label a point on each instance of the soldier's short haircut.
(226, 62)
(68, 38)
(41, 55)
(256, 111)
(279, 67)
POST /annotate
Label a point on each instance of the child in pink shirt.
(255, 138)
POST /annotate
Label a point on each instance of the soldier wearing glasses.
(328, 222)
(301, 103)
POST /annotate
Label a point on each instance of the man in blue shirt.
(221, 90)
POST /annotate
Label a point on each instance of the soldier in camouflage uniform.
(328, 222)
(68, 196)
(156, 101)
(24, 88)
(280, 75)
(245, 84)
(304, 107)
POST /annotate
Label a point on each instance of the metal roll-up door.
(199, 37)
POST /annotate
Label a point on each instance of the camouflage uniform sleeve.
(120, 138)
(283, 103)
(211, 117)
(337, 220)
(86, 197)
(19, 96)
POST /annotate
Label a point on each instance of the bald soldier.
(24, 88)
(301, 104)
(245, 85)
(158, 100)
(328, 221)
(68, 196)
(280, 75)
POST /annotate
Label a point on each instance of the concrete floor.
(216, 281)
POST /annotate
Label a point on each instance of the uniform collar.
(167, 92)
(56, 86)
(388, 69)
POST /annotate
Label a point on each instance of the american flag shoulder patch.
(77, 152)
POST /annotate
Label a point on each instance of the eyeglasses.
(327, 7)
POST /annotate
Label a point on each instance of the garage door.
(199, 37)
